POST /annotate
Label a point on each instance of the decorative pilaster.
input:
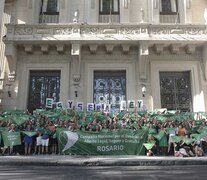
(143, 60)
(11, 55)
(93, 4)
(204, 56)
(76, 62)
(29, 4)
(13, 19)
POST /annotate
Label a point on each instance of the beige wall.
(198, 7)
(27, 11)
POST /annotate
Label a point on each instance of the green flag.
(29, 133)
(152, 131)
(159, 135)
(161, 118)
(188, 140)
(177, 138)
(148, 146)
(142, 113)
(18, 120)
(170, 129)
(3, 129)
(11, 138)
(198, 136)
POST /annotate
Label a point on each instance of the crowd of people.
(180, 138)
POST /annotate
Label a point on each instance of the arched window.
(169, 6)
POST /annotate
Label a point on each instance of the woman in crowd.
(28, 141)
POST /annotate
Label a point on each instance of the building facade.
(104, 51)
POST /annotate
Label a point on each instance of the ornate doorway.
(175, 90)
(43, 84)
(110, 88)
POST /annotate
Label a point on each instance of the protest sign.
(11, 138)
(49, 103)
(122, 142)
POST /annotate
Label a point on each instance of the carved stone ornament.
(28, 48)
(125, 48)
(44, 48)
(190, 48)
(76, 77)
(158, 48)
(109, 48)
(175, 48)
(60, 48)
(91, 31)
(93, 48)
(11, 76)
(62, 31)
(24, 31)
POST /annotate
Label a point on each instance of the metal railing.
(46, 18)
(169, 18)
(109, 18)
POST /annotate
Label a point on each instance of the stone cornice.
(105, 32)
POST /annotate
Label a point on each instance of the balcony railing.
(107, 18)
(169, 18)
(86, 32)
(49, 18)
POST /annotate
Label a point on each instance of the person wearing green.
(163, 144)
(28, 141)
(10, 147)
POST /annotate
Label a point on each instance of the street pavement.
(16, 172)
(61, 160)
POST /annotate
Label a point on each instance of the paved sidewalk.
(50, 160)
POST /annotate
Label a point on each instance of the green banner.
(11, 138)
(120, 142)
(29, 133)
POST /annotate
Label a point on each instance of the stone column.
(155, 11)
(143, 88)
(11, 55)
(33, 11)
(204, 63)
(13, 19)
(125, 7)
(76, 69)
